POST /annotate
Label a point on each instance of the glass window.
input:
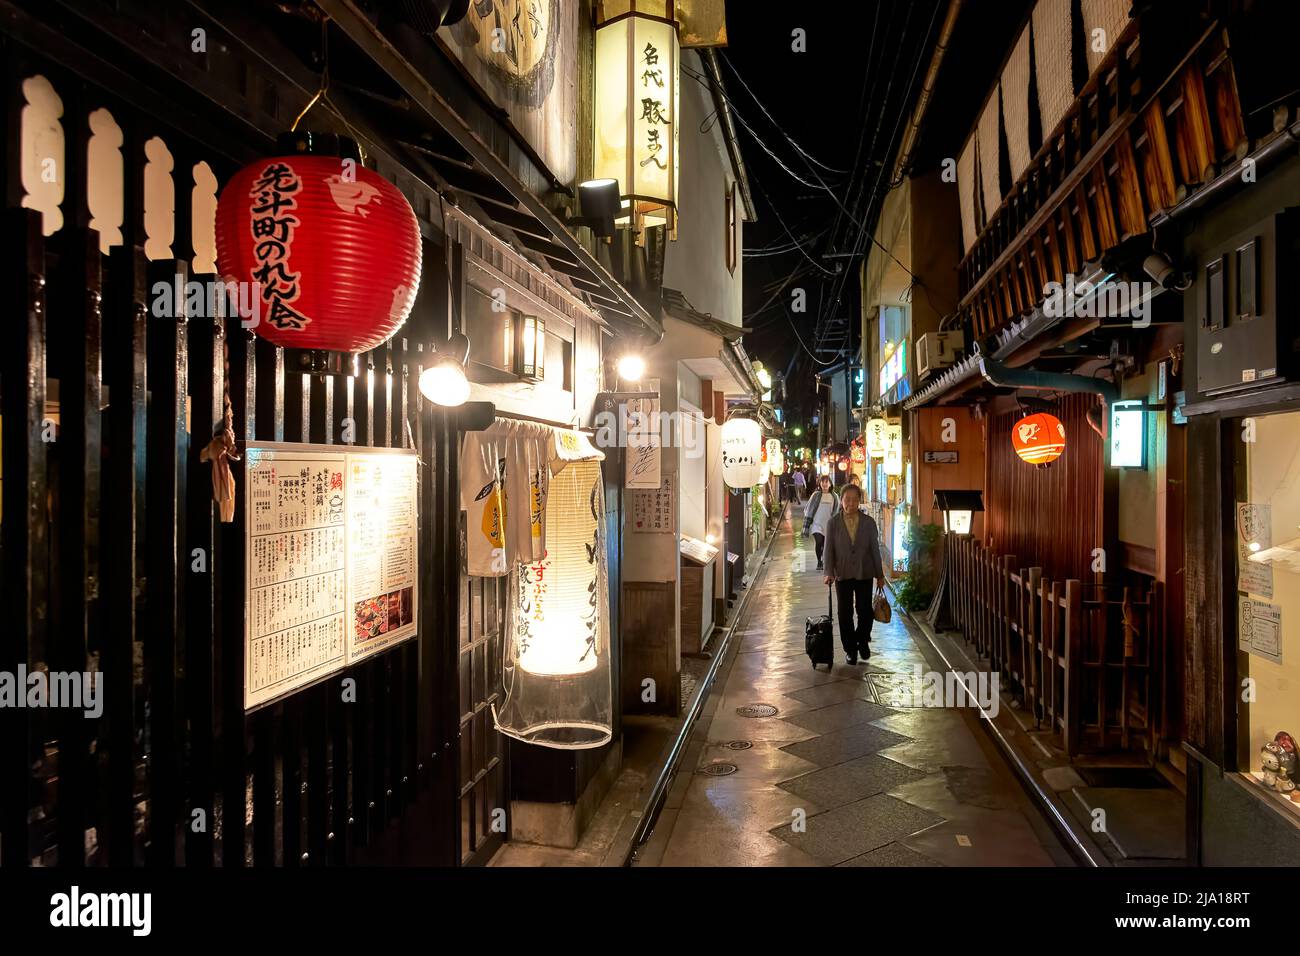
(1267, 523)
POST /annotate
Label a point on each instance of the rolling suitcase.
(819, 636)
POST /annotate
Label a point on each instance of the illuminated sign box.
(1128, 434)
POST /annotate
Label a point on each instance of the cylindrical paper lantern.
(775, 458)
(742, 453)
(1038, 439)
(333, 247)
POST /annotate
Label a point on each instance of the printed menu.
(331, 561)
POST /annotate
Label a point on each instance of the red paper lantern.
(1038, 439)
(333, 247)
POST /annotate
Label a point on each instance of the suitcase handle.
(830, 611)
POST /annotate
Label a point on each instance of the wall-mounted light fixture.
(530, 347)
(444, 382)
(600, 205)
(631, 367)
(958, 508)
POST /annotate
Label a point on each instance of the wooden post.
(1073, 665)
(1033, 653)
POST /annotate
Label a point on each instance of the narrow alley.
(791, 766)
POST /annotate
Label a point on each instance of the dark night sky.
(846, 102)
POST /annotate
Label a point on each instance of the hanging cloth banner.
(506, 471)
(527, 477)
(483, 498)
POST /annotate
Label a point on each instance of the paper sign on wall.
(642, 468)
(1259, 626)
(1254, 534)
(330, 575)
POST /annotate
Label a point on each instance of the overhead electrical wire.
(790, 139)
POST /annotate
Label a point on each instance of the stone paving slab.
(852, 780)
(891, 855)
(849, 831)
(841, 745)
(838, 716)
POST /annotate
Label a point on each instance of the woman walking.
(821, 508)
(852, 564)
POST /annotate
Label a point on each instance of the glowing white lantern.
(742, 453)
(775, 459)
(894, 450)
(635, 110)
(876, 437)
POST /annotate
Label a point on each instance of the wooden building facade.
(123, 122)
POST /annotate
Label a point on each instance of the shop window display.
(1267, 523)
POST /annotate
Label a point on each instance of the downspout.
(913, 130)
(995, 373)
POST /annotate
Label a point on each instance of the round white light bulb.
(444, 383)
(631, 368)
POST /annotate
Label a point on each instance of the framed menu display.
(330, 562)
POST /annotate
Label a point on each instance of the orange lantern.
(1038, 439)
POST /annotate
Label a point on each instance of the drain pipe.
(995, 373)
(913, 130)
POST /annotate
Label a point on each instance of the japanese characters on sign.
(331, 562)
(636, 105)
(272, 225)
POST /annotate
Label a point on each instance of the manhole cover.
(719, 769)
(756, 710)
(739, 744)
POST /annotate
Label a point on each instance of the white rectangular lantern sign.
(330, 575)
(894, 450)
(636, 103)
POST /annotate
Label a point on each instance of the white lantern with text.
(742, 453)
(894, 450)
(775, 457)
(635, 110)
(876, 437)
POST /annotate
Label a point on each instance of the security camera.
(1161, 270)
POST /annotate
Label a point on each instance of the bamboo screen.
(1015, 105)
(1053, 61)
(1047, 517)
(1108, 16)
(966, 193)
(990, 153)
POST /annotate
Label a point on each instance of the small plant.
(916, 588)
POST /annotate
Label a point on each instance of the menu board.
(330, 575)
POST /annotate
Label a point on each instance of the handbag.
(880, 609)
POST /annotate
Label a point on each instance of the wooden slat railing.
(1079, 655)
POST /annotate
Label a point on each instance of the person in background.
(852, 561)
(821, 508)
(800, 485)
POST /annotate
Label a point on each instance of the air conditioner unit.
(937, 350)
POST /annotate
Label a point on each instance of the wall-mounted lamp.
(444, 382)
(631, 367)
(600, 204)
(530, 348)
(958, 509)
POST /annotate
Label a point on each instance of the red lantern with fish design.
(331, 249)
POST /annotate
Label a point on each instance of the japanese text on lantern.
(652, 109)
(272, 227)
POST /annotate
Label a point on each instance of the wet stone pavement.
(843, 773)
